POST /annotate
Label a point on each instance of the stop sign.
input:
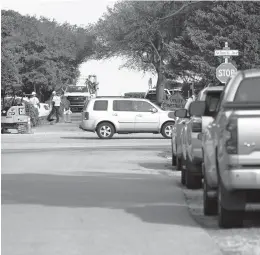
(224, 71)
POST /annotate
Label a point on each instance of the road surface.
(68, 193)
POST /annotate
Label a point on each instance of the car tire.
(228, 218)
(183, 177)
(105, 130)
(173, 157)
(178, 163)
(192, 181)
(210, 204)
(166, 130)
(173, 160)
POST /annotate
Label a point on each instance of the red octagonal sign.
(224, 71)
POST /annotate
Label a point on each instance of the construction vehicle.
(76, 95)
(13, 112)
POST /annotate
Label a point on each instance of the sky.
(112, 82)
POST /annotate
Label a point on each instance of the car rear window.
(100, 105)
(123, 105)
(248, 90)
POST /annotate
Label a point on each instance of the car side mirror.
(181, 113)
(200, 136)
(154, 110)
(197, 108)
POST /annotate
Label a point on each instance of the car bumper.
(87, 125)
(241, 178)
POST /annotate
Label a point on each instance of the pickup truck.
(233, 148)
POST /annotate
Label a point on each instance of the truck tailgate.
(249, 137)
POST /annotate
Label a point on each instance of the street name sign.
(224, 71)
(226, 53)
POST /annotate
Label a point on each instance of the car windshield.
(77, 89)
(248, 91)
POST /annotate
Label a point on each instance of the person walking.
(56, 101)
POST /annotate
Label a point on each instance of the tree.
(237, 23)
(41, 54)
(141, 32)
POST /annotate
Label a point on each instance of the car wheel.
(192, 181)
(105, 130)
(173, 160)
(183, 177)
(173, 157)
(210, 204)
(178, 163)
(167, 130)
(228, 218)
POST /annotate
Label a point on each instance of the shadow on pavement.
(194, 201)
(114, 138)
(156, 165)
(153, 199)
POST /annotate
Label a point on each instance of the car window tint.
(248, 90)
(123, 105)
(100, 105)
(142, 106)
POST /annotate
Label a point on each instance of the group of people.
(55, 105)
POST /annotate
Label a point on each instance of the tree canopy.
(42, 54)
(178, 39)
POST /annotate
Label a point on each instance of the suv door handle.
(139, 115)
(114, 114)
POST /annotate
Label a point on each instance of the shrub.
(32, 112)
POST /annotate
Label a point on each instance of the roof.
(118, 97)
(250, 73)
(215, 88)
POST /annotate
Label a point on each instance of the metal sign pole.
(226, 69)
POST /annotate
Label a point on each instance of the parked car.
(109, 115)
(151, 95)
(191, 145)
(176, 138)
(233, 147)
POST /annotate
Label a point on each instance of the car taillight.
(196, 126)
(86, 115)
(232, 140)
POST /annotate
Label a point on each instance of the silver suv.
(109, 115)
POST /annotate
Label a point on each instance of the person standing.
(34, 100)
(56, 101)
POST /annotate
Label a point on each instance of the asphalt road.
(72, 194)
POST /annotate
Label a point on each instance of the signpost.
(225, 70)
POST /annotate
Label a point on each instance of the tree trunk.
(159, 87)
